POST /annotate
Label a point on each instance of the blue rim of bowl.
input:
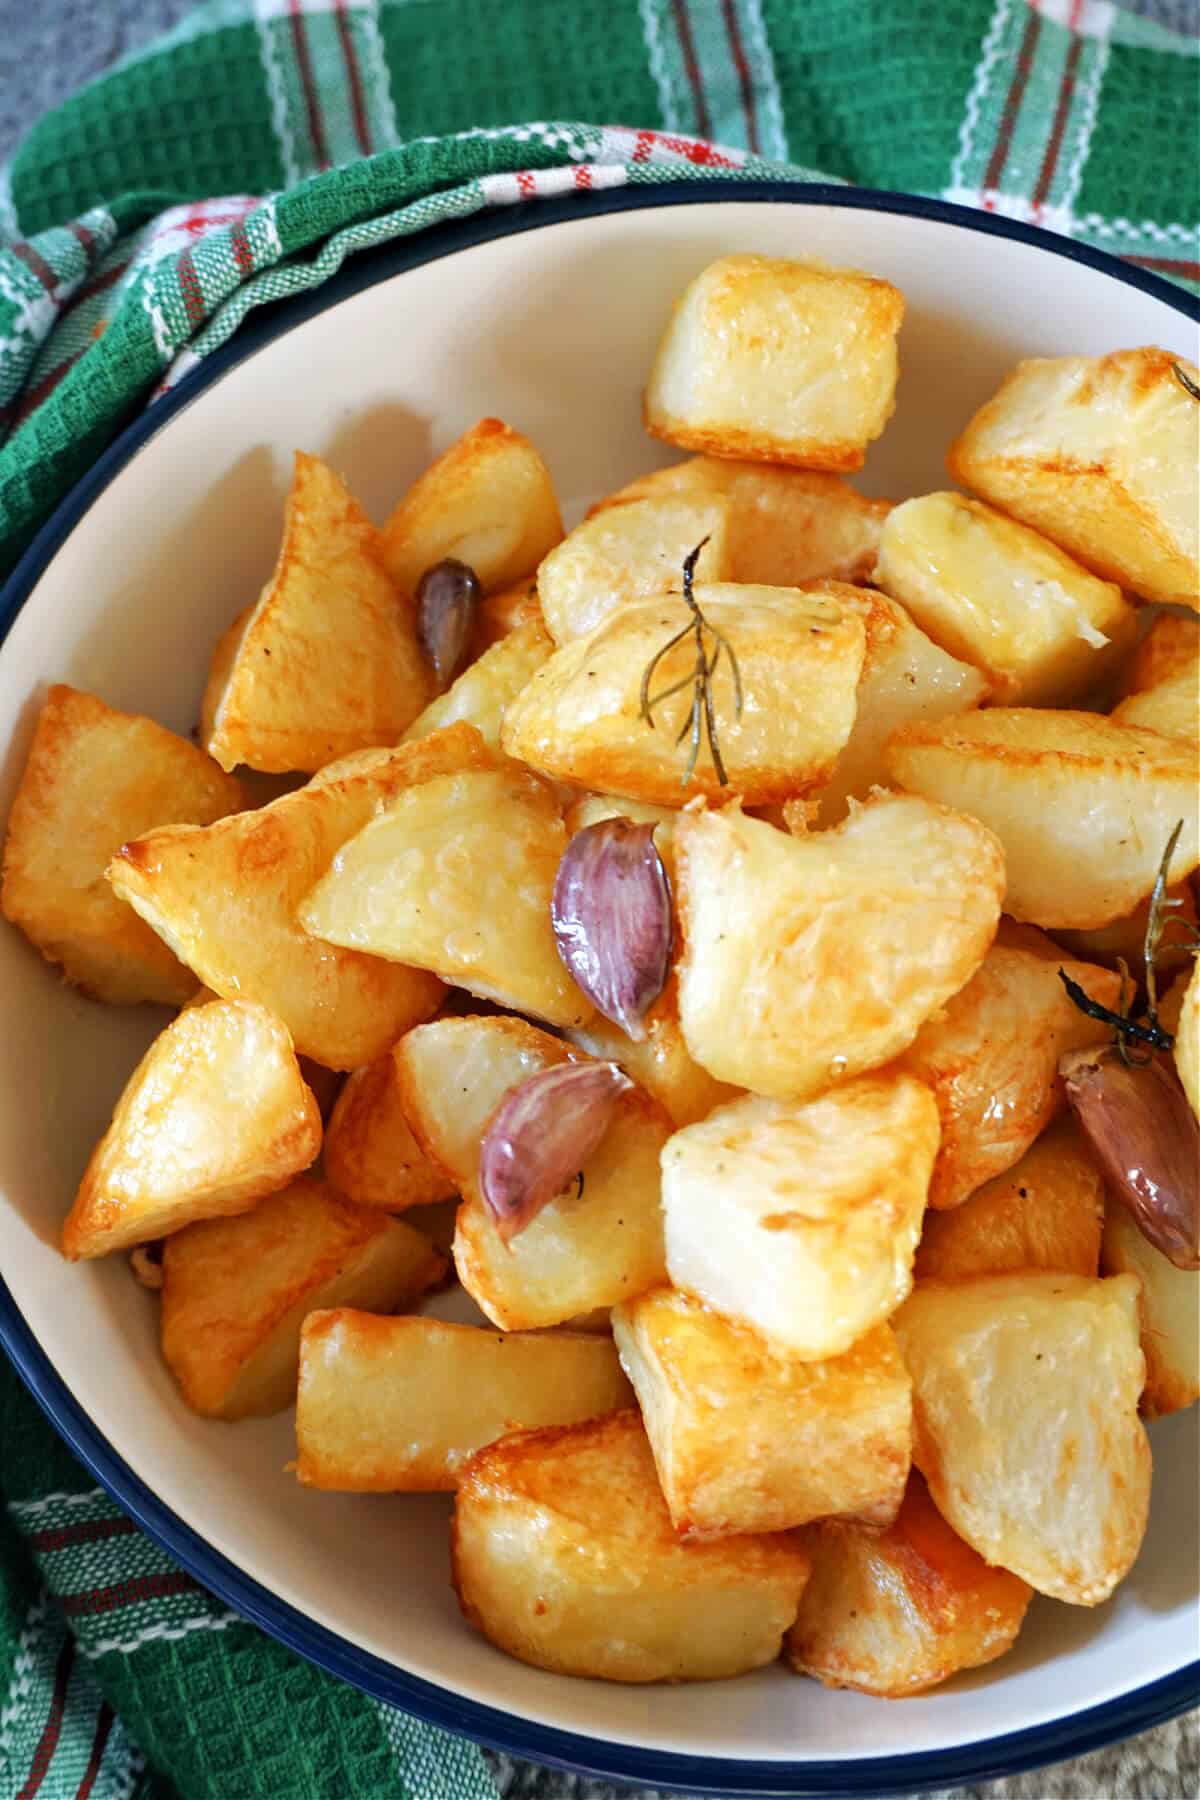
(748, 1779)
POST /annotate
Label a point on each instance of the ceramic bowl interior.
(553, 329)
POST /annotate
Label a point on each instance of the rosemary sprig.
(1128, 1030)
(702, 716)
(1185, 381)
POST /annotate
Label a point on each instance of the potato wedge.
(400, 1405)
(629, 553)
(905, 677)
(660, 1062)
(991, 1055)
(1042, 629)
(801, 1220)
(93, 778)
(488, 501)
(563, 1555)
(1125, 937)
(747, 1437)
(225, 899)
(220, 667)
(1100, 454)
(597, 1243)
(1171, 645)
(499, 613)
(1172, 706)
(1169, 1311)
(482, 693)
(328, 661)
(1046, 1212)
(896, 1612)
(1025, 1394)
(1187, 1040)
(370, 1153)
(785, 526)
(777, 361)
(800, 655)
(215, 1115)
(236, 1292)
(809, 958)
(455, 877)
(1083, 806)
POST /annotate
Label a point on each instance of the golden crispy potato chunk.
(215, 1115)
(1126, 937)
(564, 1556)
(482, 693)
(1083, 806)
(905, 677)
(499, 613)
(1100, 454)
(1171, 645)
(1171, 706)
(660, 1062)
(220, 667)
(226, 901)
(991, 1056)
(1045, 1212)
(629, 553)
(400, 1405)
(1025, 1396)
(779, 362)
(747, 1437)
(801, 1220)
(785, 526)
(809, 958)
(1187, 1040)
(1169, 1309)
(896, 1612)
(236, 1292)
(370, 1153)
(456, 877)
(93, 778)
(1003, 597)
(800, 655)
(600, 1241)
(487, 501)
(328, 661)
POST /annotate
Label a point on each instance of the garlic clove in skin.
(611, 912)
(541, 1134)
(448, 596)
(1146, 1139)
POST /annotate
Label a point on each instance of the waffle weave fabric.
(243, 158)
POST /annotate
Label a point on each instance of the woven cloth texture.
(243, 157)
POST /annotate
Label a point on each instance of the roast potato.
(482, 693)
(660, 1062)
(1169, 1309)
(370, 1154)
(629, 553)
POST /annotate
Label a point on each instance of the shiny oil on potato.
(1099, 453)
(785, 526)
(801, 1220)
(236, 1292)
(370, 1154)
(898, 1611)
(1046, 1212)
(778, 362)
(1169, 1308)
(799, 655)
(455, 876)
(1025, 1397)
(215, 1115)
(1082, 805)
(990, 1056)
(747, 1437)
(225, 899)
(389, 1405)
(482, 693)
(94, 778)
(1040, 627)
(487, 501)
(630, 553)
(810, 958)
(564, 1556)
(905, 677)
(328, 660)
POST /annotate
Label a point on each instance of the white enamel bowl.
(547, 317)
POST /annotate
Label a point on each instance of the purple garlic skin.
(611, 912)
(448, 595)
(1147, 1141)
(540, 1136)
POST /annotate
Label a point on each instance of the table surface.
(59, 45)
